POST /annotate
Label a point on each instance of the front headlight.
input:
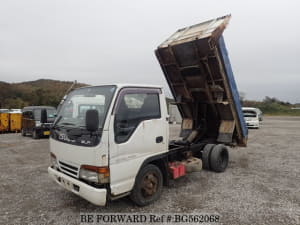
(88, 175)
(53, 161)
(94, 174)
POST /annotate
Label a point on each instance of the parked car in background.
(251, 116)
(37, 120)
(260, 114)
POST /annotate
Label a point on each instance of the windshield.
(73, 110)
(249, 113)
(50, 113)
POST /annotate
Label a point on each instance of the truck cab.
(103, 135)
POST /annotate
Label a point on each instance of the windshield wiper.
(81, 130)
(57, 124)
(56, 121)
(66, 123)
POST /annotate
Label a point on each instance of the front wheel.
(148, 185)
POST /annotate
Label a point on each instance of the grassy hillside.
(39, 92)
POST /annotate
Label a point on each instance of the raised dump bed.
(196, 65)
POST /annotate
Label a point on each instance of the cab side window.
(24, 114)
(28, 114)
(132, 109)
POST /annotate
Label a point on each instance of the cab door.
(137, 131)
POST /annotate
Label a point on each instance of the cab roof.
(122, 85)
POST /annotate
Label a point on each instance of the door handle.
(159, 139)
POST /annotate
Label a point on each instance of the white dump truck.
(111, 141)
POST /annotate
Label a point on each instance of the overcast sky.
(95, 41)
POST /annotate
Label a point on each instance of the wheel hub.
(150, 185)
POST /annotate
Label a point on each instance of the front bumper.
(252, 124)
(96, 196)
(43, 131)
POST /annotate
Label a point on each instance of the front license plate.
(46, 132)
(65, 183)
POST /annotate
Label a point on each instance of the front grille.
(68, 169)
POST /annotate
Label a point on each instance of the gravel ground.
(260, 186)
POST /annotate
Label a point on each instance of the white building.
(174, 113)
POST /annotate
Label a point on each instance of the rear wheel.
(206, 156)
(219, 158)
(148, 185)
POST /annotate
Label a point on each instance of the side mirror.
(92, 120)
(43, 116)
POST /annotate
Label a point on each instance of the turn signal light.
(100, 170)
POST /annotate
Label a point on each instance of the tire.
(23, 133)
(35, 135)
(141, 194)
(219, 158)
(206, 156)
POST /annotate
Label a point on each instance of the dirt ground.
(260, 186)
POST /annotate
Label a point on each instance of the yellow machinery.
(15, 123)
(4, 122)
